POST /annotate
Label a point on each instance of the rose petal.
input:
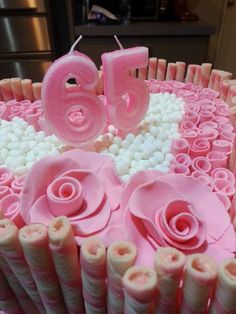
(10, 208)
(40, 211)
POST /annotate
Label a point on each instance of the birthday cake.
(149, 204)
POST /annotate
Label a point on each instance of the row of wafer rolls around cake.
(157, 69)
(43, 271)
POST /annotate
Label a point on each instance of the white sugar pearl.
(42, 154)
(130, 137)
(30, 156)
(132, 171)
(4, 153)
(125, 144)
(166, 163)
(169, 157)
(158, 156)
(152, 162)
(166, 149)
(112, 129)
(133, 148)
(134, 163)
(14, 153)
(114, 149)
(137, 156)
(121, 151)
(125, 178)
(154, 130)
(20, 170)
(32, 144)
(30, 164)
(122, 167)
(44, 146)
(117, 140)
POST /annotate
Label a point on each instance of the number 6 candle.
(125, 113)
(76, 115)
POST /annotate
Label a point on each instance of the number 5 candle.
(125, 113)
(76, 115)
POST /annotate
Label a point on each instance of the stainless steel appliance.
(26, 46)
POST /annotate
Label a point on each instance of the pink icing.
(5, 190)
(201, 164)
(17, 184)
(223, 173)
(6, 177)
(81, 185)
(151, 221)
(183, 159)
(200, 147)
(180, 146)
(217, 159)
(10, 208)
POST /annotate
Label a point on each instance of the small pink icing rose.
(10, 208)
(175, 210)
(81, 185)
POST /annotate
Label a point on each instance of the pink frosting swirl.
(81, 185)
(6, 176)
(10, 208)
(179, 218)
(17, 184)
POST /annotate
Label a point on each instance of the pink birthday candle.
(17, 88)
(224, 301)
(152, 68)
(24, 300)
(27, 89)
(12, 251)
(125, 113)
(6, 91)
(171, 71)
(169, 264)
(180, 71)
(76, 115)
(120, 257)
(161, 69)
(8, 301)
(37, 90)
(199, 283)
(93, 271)
(191, 70)
(140, 288)
(65, 256)
(205, 74)
(34, 241)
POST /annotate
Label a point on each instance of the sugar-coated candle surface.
(76, 115)
(125, 112)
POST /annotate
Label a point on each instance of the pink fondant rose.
(80, 185)
(175, 210)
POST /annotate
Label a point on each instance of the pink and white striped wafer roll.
(191, 70)
(205, 74)
(161, 69)
(152, 68)
(142, 73)
(27, 89)
(37, 90)
(99, 86)
(11, 250)
(199, 283)
(169, 264)
(65, 256)
(24, 300)
(5, 88)
(140, 287)
(93, 271)
(219, 78)
(171, 71)
(180, 71)
(120, 257)
(225, 301)
(34, 241)
(212, 78)
(16, 88)
(197, 75)
(8, 301)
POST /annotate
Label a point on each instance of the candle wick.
(75, 44)
(118, 42)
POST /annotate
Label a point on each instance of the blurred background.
(35, 32)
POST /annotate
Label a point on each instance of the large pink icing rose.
(81, 185)
(175, 210)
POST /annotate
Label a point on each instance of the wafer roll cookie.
(161, 69)
(34, 241)
(8, 301)
(5, 88)
(191, 70)
(93, 271)
(205, 74)
(171, 71)
(225, 300)
(65, 257)
(197, 75)
(120, 257)
(37, 90)
(152, 68)
(140, 287)
(142, 73)
(16, 88)
(99, 86)
(12, 251)
(27, 89)
(24, 300)
(180, 71)
(169, 264)
(199, 283)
